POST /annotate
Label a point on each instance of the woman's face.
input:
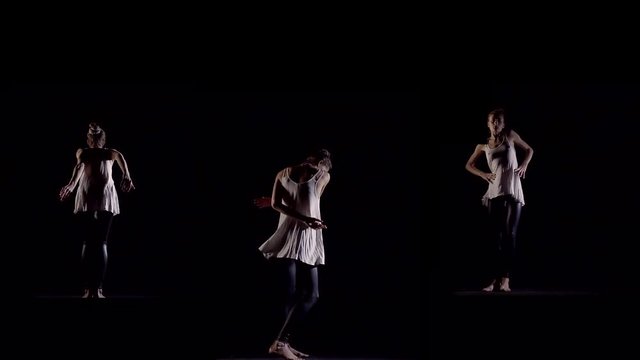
(496, 123)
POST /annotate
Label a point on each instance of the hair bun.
(323, 154)
(94, 129)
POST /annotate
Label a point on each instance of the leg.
(104, 220)
(497, 215)
(85, 262)
(309, 298)
(86, 223)
(289, 275)
(94, 251)
(508, 244)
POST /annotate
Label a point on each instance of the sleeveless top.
(503, 162)
(96, 189)
(293, 239)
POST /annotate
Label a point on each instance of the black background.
(187, 237)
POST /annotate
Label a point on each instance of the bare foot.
(490, 287)
(504, 285)
(297, 353)
(86, 294)
(282, 349)
(100, 295)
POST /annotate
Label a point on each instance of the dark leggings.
(504, 212)
(301, 289)
(96, 227)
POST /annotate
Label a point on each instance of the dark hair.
(322, 154)
(322, 157)
(96, 135)
(497, 112)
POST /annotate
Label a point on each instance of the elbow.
(279, 207)
(469, 167)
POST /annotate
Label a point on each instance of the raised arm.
(471, 165)
(75, 177)
(127, 184)
(278, 194)
(528, 150)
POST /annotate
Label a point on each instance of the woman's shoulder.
(284, 171)
(511, 134)
(102, 149)
(325, 175)
(112, 152)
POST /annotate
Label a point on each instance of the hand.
(521, 171)
(127, 185)
(489, 177)
(262, 202)
(65, 192)
(315, 223)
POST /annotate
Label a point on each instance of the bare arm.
(265, 201)
(322, 182)
(126, 184)
(528, 150)
(75, 177)
(471, 165)
(278, 194)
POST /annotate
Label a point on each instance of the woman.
(96, 204)
(297, 244)
(504, 197)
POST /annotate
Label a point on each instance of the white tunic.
(96, 189)
(293, 239)
(503, 162)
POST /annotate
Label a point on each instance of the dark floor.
(544, 323)
(146, 326)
